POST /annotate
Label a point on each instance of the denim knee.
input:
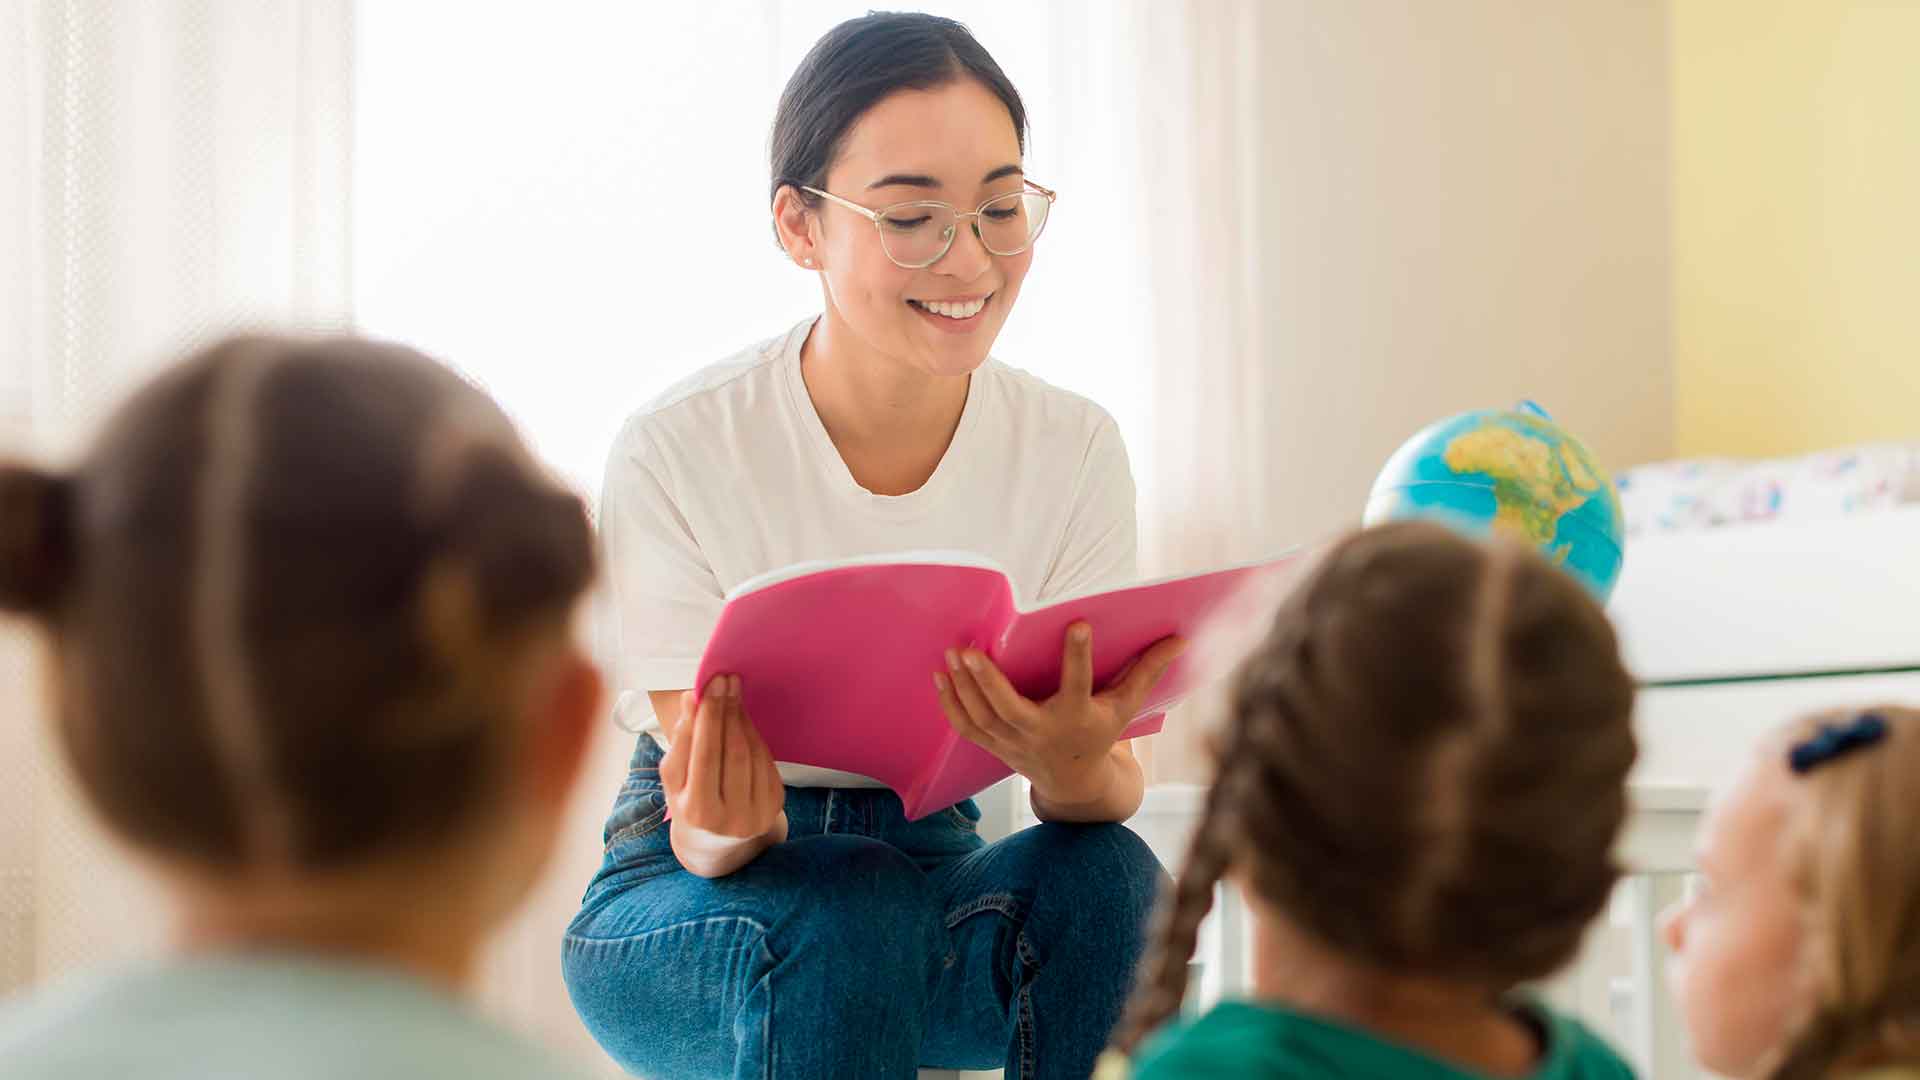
(860, 914)
(1102, 877)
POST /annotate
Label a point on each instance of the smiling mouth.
(957, 310)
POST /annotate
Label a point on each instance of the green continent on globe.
(1535, 482)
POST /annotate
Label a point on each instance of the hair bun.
(36, 539)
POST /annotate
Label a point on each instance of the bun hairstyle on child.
(293, 594)
(1422, 767)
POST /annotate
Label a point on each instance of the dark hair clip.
(1836, 740)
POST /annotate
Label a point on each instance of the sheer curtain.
(171, 169)
(584, 225)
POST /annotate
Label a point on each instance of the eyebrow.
(921, 180)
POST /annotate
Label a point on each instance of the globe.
(1515, 471)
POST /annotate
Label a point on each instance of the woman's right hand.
(722, 787)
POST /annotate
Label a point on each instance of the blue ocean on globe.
(1516, 471)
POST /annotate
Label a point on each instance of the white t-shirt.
(731, 474)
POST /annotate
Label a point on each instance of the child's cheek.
(1700, 981)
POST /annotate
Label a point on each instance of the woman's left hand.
(1062, 743)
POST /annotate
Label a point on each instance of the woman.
(810, 930)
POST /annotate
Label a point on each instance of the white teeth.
(954, 311)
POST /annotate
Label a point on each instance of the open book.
(837, 659)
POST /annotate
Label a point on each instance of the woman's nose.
(968, 258)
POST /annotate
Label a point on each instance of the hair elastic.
(1836, 740)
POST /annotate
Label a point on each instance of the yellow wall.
(1796, 223)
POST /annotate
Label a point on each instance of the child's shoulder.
(1251, 1041)
(1576, 1053)
(1239, 1039)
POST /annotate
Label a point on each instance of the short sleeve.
(1101, 548)
(665, 597)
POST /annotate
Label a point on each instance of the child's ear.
(564, 715)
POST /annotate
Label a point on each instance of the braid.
(1252, 746)
(1389, 761)
(1176, 925)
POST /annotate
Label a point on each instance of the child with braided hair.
(1798, 956)
(1419, 786)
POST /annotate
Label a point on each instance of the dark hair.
(289, 591)
(852, 68)
(1423, 767)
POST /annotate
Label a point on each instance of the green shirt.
(259, 1018)
(1252, 1041)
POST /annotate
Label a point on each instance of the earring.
(806, 262)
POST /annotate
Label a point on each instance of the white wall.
(1466, 203)
(1413, 210)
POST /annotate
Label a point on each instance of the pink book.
(837, 659)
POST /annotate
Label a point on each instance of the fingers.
(968, 670)
(1006, 704)
(768, 790)
(736, 775)
(960, 718)
(708, 736)
(753, 778)
(1076, 666)
(673, 767)
(1147, 670)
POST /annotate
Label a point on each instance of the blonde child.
(1798, 957)
(308, 612)
(1418, 789)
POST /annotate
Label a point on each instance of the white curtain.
(171, 169)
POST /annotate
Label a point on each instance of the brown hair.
(1853, 854)
(1423, 766)
(288, 593)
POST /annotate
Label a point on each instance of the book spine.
(914, 798)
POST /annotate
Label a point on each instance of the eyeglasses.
(915, 235)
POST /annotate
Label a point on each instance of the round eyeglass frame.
(953, 231)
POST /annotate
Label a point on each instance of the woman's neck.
(1450, 1021)
(891, 422)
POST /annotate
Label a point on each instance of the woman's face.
(1738, 971)
(955, 144)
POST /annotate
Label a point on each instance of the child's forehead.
(1749, 818)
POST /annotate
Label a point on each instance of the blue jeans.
(865, 946)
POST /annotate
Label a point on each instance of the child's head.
(1422, 769)
(309, 609)
(1800, 952)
